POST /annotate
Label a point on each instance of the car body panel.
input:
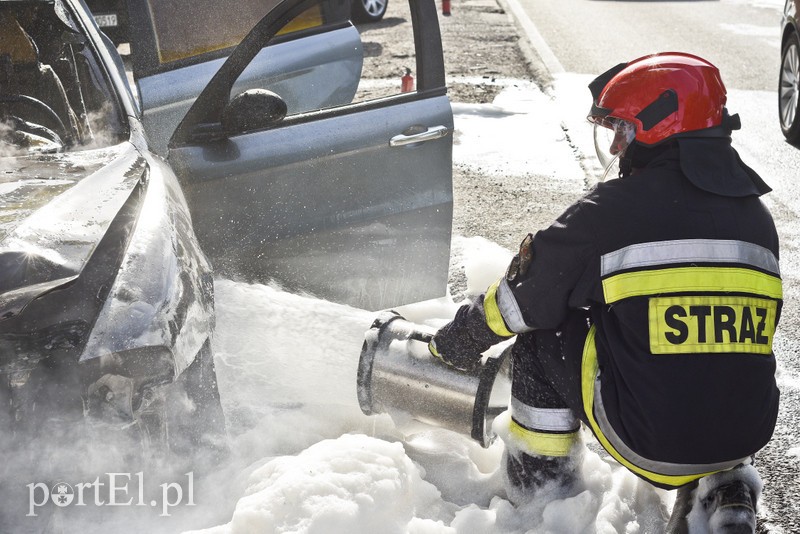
(789, 19)
(54, 212)
(324, 72)
(353, 220)
(163, 293)
(178, 317)
(350, 218)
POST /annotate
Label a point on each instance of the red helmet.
(661, 95)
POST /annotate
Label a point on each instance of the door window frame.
(202, 122)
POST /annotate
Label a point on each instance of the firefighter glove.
(461, 342)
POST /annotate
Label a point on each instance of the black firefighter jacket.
(685, 294)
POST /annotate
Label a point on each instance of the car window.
(387, 62)
(181, 37)
(383, 65)
(184, 36)
(336, 71)
(389, 55)
(349, 67)
(54, 95)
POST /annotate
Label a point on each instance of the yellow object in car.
(310, 18)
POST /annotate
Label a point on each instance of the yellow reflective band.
(494, 319)
(681, 325)
(691, 279)
(589, 368)
(543, 443)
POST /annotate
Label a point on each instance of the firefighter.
(647, 311)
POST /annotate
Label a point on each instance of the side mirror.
(254, 109)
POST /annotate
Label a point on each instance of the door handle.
(436, 132)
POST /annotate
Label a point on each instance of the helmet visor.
(611, 137)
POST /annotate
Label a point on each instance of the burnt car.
(281, 168)
(106, 299)
(789, 85)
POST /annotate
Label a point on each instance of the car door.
(177, 46)
(350, 202)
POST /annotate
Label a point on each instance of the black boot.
(525, 475)
(732, 509)
(729, 499)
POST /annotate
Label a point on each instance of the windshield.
(54, 96)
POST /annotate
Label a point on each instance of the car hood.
(54, 209)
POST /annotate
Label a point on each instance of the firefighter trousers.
(546, 401)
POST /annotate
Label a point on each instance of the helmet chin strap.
(608, 168)
(625, 165)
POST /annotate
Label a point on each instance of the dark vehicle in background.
(281, 167)
(369, 10)
(789, 88)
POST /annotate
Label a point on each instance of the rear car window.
(214, 25)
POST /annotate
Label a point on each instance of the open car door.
(351, 201)
(178, 45)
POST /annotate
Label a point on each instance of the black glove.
(461, 342)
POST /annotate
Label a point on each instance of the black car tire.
(369, 10)
(789, 89)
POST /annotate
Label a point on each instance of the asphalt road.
(577, 39)
(589, 36)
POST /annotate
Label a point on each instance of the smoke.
(281, 390)
(107, 475)
(102, 127)
(7, 147)
(99, 129)
(16, 141)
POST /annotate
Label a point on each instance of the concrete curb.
(533, 45)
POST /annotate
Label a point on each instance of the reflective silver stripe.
(654, 466)
(509, 309)
(688, 251)
(546, 419)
